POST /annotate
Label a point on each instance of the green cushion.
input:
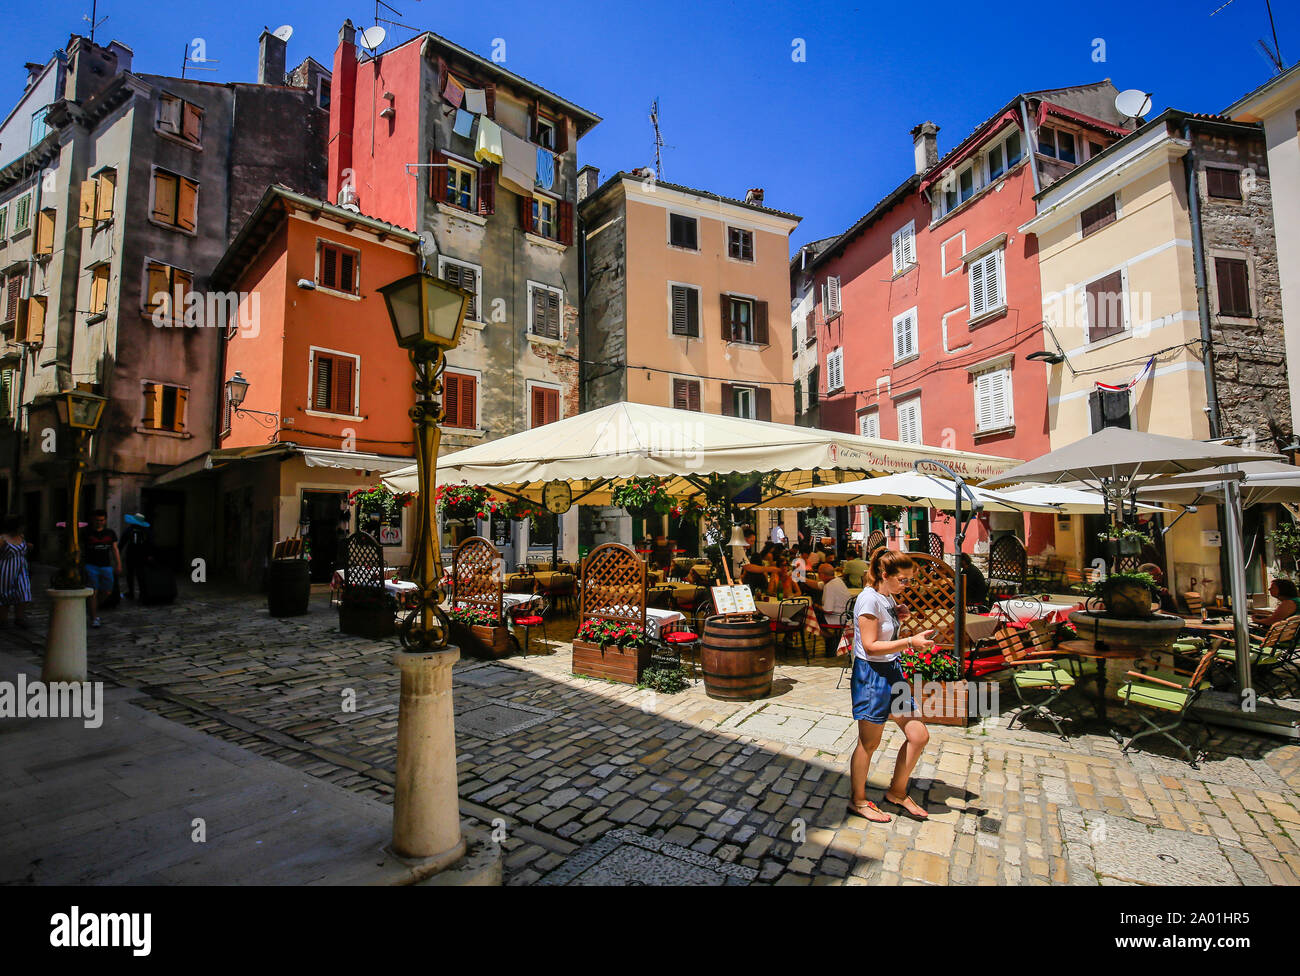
(1265, 656)
(1189, 645)
(1156, 696)
(1042, 677)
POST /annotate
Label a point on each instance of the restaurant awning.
(907, 488)
(312, 457)
(596, 450)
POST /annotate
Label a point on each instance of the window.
(685, 310)
(1233, 280)
(323, 93)
(461, 184)
(97, 198)
(4, 221)
(905, 338)
(99, 289)
(22, 213)
(6, 392)
(1222, 184)
(31, 327)
(966, 184)
(993, 399)
(164, 407)
(547, 217)
(869, 423)
(1057, 143)
(798, 397)
(40, 125)
(175, 200)
(464, 276)
(909, 421)
(45, 232)
(831, 297)
(180, 119)
(544, 311)
(740, 244)
(334, 382)
(814, 387)
(744, 320)
(1109, 408)
(743, 402)
(810, 329)
(165, 290)
(986, 291)
(460, 400)
(835, 370)
(1105, 306)
(1097, 216)
(686, 394)
(459, 189)
(13, 295)
(544, 134)
(1014, 151)
(1095, 148)
(337, 268)
(997, 163)
(545, 402)
(903, 244)
(544, 222)
(683, 232)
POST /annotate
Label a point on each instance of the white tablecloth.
(656, 618)
(512, 600)
(1031, 609)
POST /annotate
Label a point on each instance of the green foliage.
(638, 494)
(1122, 532)
(1286, 541)
(665, 680)
(1120, 577)
(887, 513)
(818, 523)
(611, 632)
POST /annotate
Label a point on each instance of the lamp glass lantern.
(80, 410)
(426, 311)
(236, 389)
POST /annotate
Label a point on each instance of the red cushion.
(680, 637)
(532, 621)
(985, 665)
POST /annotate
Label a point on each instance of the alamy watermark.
(54, 699)
(236, 311)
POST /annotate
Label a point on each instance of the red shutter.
(724, 302)
(533, 117)
(760, 323)
(764, 403)
(344, 369)
(728, 401)
(347, 272)
(442, 77)
(487, 191)
(468, 401)
(451, 400)
(526, 214)
(458, 398)
(437, 174)
(328, 278)
(680, 396)
(490, 96)
(320, 399)
(566, 222)
(694, 396)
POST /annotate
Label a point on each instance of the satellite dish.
(283, 33)
(1133, 103)
(372, 37)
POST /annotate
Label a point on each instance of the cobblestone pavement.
(588, 782)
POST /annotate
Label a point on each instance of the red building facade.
(927, 307)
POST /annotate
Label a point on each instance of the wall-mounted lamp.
(1043, 356)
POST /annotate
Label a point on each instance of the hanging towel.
(476, 101)
(453, 93)
(545, 169)
(464, 123)
(519, 166)
(487, 146)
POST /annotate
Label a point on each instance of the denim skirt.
(873, 689)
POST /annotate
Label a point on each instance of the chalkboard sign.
(500, 532)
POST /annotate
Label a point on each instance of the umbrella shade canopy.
(908, 488)
(596, 450)
(1067, 501)
(1117, 456)
(1265, 482)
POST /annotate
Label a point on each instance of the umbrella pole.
(1237, 580)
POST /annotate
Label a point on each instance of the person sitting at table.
(799, 565)
(754, 573)
(835, 592)
(814, 557)
(786, 587)
(1284, 591)
(661, 553)
(977, 587)
(855, 567)
(1167, 604)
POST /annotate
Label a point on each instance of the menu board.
(728, 600)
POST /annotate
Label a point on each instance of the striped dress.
(15, 584)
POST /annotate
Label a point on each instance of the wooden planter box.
(623, 664)
(367, 621)
(944, 702)
(493, 642)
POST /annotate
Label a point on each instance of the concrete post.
(65, 645)
(426, 806)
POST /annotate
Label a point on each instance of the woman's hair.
(1285, 589)
(885, 563)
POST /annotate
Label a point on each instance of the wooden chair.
(1192, 600)
(875, 540)
(661, 596)
(521, 583)
(1171, 693)
(996, 654)
(559, 591)
(1075, 580)
(475, 582)
(1275, 650)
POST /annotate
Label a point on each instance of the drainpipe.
(1029, 144)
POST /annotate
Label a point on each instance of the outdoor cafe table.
(1205, 627)
(402, 590)
(1013, 610)
(510, 601)
(655, 619)
(1087, 649)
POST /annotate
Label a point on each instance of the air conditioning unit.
(348, 198)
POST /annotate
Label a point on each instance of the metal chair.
(528, 616)
(520, 583)
(791, 616)
(1268, 654)
(661, 596)
(1172, 693)
(1039, 682)
(681, 638)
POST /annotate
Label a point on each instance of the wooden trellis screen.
(613, 585)
(1008, 564)
(476, 576)
(364, 565)
(874, 541)
(935, 545)
(932, 598)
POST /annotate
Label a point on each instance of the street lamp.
(236, 389)
(65, 644)
(427, 315)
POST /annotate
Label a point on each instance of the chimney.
(34, 69)
(123, 54)
(755, 196)
(343, 94)
(925, 145)
(270, 59)
(588, 180)
(90, 68)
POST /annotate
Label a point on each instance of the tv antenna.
(198, 65)
(659, 139)
(388, 20)
(1272, 54)
(93, 19)
(1133, 103)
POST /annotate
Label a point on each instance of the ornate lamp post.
(65, 647)
(427, 316)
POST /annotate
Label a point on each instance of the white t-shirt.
(883, 609)
(778, 534)
(835, 597)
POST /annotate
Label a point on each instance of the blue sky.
(826, 137)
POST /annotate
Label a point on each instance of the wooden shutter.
(187, 204)
(490, 96)
(978, 304)
(724, 302)
(467, 409)
(728, 400)
(178, 418)
(451, 400)
(99, 289)
(487, 191)
(105, 190)
(343, 379)
(763, 396)
(1105, 306)
(45, 232)
(526, 214)
(899, 261)
(1223, 184)
(566, 222)
(14, 293)
(348, 272)
(1234, 287)
(328, 266)
(545, 406)
(760, 323)
(1097, 216)
(561, 135)
(164, 197)
(904, 336)
(686, 394)
(552, 315)
(680, 301)
(832, 295)
(86, 208)
(182, 284)
(192, 121)
(35, 326)
(157, 287)
(153, 406)
(320, 399)
(1108, 408)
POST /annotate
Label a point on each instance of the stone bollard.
(426, 805)
(65, 644)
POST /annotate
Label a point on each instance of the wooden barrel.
(737, 656)
(288, 587)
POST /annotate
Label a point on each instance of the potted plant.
(938, 689)
(1127, 595)
(464, 503)
(613, 649)
(641, 497)
(480, 629)
(1123, 540)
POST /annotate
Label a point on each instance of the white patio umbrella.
(907, 489)
(1262, 483)
(1068, 501)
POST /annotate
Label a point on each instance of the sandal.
(855, 810)
(916, 814)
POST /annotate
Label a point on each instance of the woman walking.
(878, 678)
(15, 582)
